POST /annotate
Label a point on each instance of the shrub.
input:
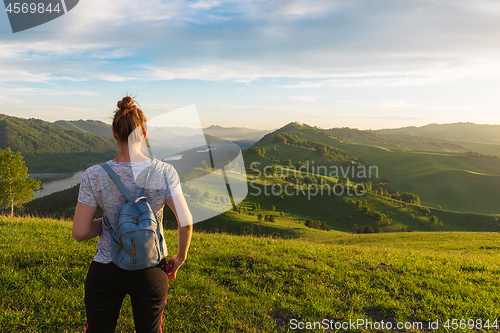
(368, 230)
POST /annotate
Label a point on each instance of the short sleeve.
(173, 183)
(86, 195)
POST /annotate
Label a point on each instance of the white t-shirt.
(98, 189)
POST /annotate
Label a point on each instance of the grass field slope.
(263, 284)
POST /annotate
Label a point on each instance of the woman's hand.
(173, 265)
(184, 232)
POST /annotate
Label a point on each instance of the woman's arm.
(84, 226)
(180, 208)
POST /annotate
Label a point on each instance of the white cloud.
(46, 92)
(8, 75)
(304, 99)
(240, 73)
(45, 48)
(205, 4)
(114, 78)
(95, 15)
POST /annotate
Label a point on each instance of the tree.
(322, 151)
(204, 165)
(273, 171)
(324, 226)
(343, 180)
(15, 185)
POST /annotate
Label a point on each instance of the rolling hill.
(455, 181)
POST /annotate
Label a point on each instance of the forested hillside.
(50, 148)
(88, 126)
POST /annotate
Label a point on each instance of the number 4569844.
(455, 324)
(32, 8)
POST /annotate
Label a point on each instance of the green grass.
(258, 284)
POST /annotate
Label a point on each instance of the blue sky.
(261, 64)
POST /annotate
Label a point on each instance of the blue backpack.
(136, 234)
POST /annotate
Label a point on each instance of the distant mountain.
(95, 127)
(179, 137)
(235, 133)
(240, 135)
(468, 132)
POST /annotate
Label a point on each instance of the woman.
(106, 284)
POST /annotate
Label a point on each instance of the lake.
(56, 182)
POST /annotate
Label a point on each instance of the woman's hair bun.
(126, 103)
(128, 116)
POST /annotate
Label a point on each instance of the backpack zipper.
(132, 230)
(132, 250)
(134, 221)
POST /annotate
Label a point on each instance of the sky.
(260, 64)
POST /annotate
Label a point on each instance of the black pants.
(105, 288)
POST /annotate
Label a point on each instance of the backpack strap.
(117, 180)
(148, 177)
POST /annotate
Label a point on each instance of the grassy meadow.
(245, 283)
